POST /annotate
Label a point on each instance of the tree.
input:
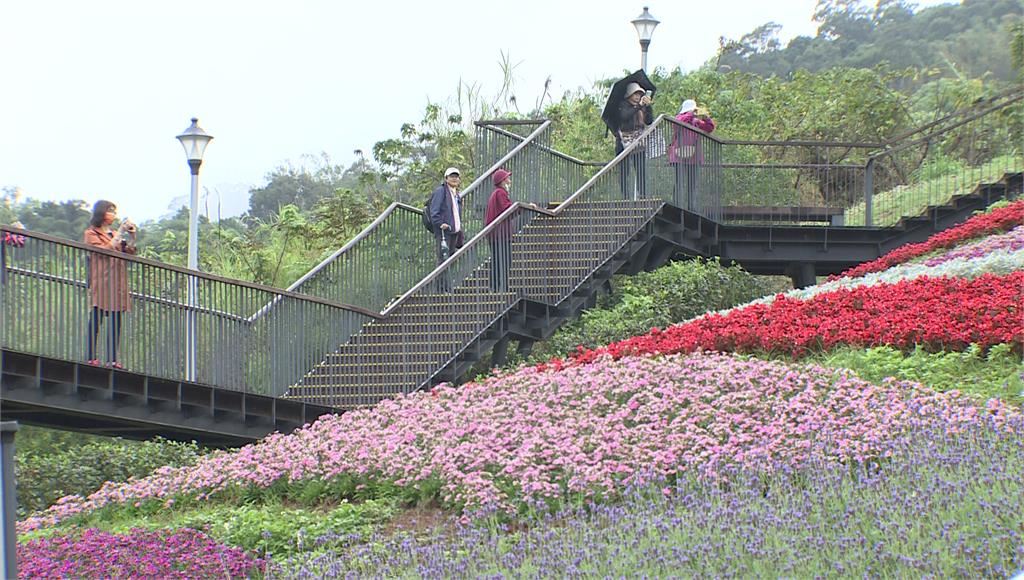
(301, 186)
(67, 219)
(849, 20)
(412, 164)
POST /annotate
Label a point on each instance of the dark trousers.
(501, 259)
(687, 190)
(633, 170)
(443, 282)
(113, 333)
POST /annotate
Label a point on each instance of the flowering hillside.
(973, 293)
(689, 403)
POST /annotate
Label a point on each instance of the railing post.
(190, 330)
(3, 293)
(869, 191)
(8, 500)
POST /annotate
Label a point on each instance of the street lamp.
(194, 140)
(645, 24)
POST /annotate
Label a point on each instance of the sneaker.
(115, 365)
(93, 361)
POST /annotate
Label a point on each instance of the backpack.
(425, 218)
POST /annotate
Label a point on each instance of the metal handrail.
(479, 238)
(641, 140)
(135, 295)
(927, 126)
(550, 150)
(770, 143)
(182, 270)
(395, 207)
(499, 122)
(355, 240)
(165, 321)
(962, 122)
(483, 177)
(509, 213)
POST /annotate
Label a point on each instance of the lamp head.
(645, 25)
(194, 140)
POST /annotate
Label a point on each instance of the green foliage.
(67, 219)
(302, 186)
(967, 39)
(998, 373)
(269, 527)
(412, 164)
(47, 470)
(670, 294)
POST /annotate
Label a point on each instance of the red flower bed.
(936, 313)
(999, 220)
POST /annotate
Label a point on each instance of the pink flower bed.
(537, 434)
(139, 554)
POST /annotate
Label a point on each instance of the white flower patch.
(999, 262)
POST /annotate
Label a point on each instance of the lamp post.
(645, 25)
(194, 140)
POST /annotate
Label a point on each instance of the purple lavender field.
(943, 505)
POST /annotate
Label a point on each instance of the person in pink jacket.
(686, 153)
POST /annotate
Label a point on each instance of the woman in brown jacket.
(108, 279)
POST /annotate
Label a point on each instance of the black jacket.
(629, 120)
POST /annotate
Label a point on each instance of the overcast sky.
(94, 92)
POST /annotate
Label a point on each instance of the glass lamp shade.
(194, 140)
(645, 24)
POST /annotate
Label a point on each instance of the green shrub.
(46, 474)
(675, 292)
(998, 373)
(269, 528)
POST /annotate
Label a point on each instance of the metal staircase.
(629, 215)
(422, 335)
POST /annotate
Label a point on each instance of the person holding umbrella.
(627, 113)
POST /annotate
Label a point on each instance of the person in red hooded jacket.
(501, 237)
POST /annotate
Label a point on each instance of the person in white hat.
(687, 155)
(635, 114)
(445, 209)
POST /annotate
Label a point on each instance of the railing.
(945, 158)
(395, 251)
(146, 316)
(841, 184)
(542, 175)
(448, 292)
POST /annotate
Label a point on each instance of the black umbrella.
(611, 108)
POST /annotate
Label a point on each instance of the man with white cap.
(445, 210)
(635, 114)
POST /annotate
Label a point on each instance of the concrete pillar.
(802, 274)
(525, 348)
(499, 356)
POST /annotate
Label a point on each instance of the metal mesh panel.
(53, 305)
